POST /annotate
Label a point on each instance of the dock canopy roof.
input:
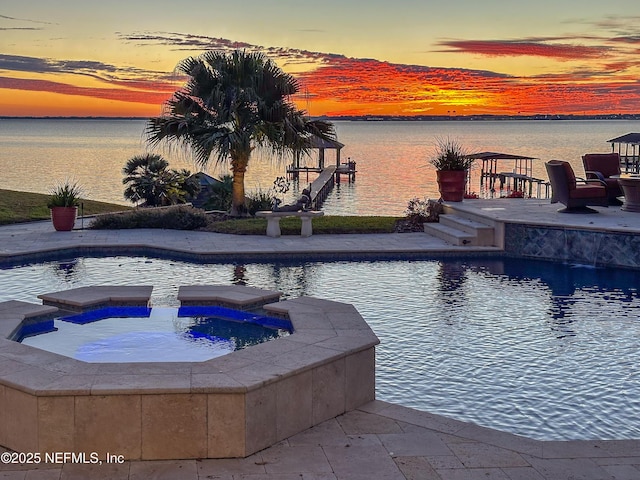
(321, 143)
(628, 138)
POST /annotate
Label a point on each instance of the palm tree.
(148, 178)
(181, 186)
(232, 104)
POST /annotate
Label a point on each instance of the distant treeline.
(427, 118)
(417, 118)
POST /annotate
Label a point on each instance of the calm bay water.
(392, 157)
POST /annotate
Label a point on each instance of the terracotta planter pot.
(452, 184)
(63, 218)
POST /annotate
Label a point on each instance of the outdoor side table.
(630, 184)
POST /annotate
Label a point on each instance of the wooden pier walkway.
(321, 186)
(325, 181)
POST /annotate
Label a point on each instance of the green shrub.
(65, 194)
(176, 218)
(220, 194)
(148, 178)
(259, 201)
(450, 155)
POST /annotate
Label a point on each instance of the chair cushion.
(571, 176)
(613, 184)
(588, 191)
(606, 163)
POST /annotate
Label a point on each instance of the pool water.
(158, 334)
(540, 349)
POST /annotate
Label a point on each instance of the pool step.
(460, 231)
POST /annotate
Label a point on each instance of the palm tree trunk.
(238, 167)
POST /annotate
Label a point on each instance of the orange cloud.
(376, 87)
(119, 94)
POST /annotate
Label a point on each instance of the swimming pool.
(540, 349)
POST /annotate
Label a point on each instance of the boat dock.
(628, 147)
(325, 181)
(517, 177)
(348, 169)
(321, 186)
(328, 176)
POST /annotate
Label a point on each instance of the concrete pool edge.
(43, 255)
(462, 431)
(231, 406)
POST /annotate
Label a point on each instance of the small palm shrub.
(267, 200)
(66, 194)
(450, 155)
(149, 179)
(417, 213)
(259, 201)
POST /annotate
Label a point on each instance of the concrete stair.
(460, 230)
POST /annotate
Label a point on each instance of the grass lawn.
(18, 207)
(291, 226)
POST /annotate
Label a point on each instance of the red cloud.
(374, 82)
(494, 48)
(630, 39)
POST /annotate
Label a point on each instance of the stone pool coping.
(37, 241)
(230, 406)
(531, 228)
(83, 298)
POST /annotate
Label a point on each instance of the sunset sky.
(402, 57)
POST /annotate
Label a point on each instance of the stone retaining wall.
(591, 247)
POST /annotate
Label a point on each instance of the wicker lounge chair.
(575, 193)
(603, 166)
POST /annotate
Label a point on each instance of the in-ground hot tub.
(230, 406)
(152, 334)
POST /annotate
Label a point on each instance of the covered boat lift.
(328, 175)
(628, 147)
(320, 144)
(513, 171)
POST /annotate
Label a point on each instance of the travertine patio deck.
(379, 440)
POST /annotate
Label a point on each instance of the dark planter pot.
(64, 218)
(452, 184)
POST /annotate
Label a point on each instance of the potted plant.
(451, 162)
(63, 203)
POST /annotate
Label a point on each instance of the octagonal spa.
(229, 406)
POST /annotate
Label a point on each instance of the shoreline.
(391, 118)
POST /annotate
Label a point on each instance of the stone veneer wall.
(592, 247)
